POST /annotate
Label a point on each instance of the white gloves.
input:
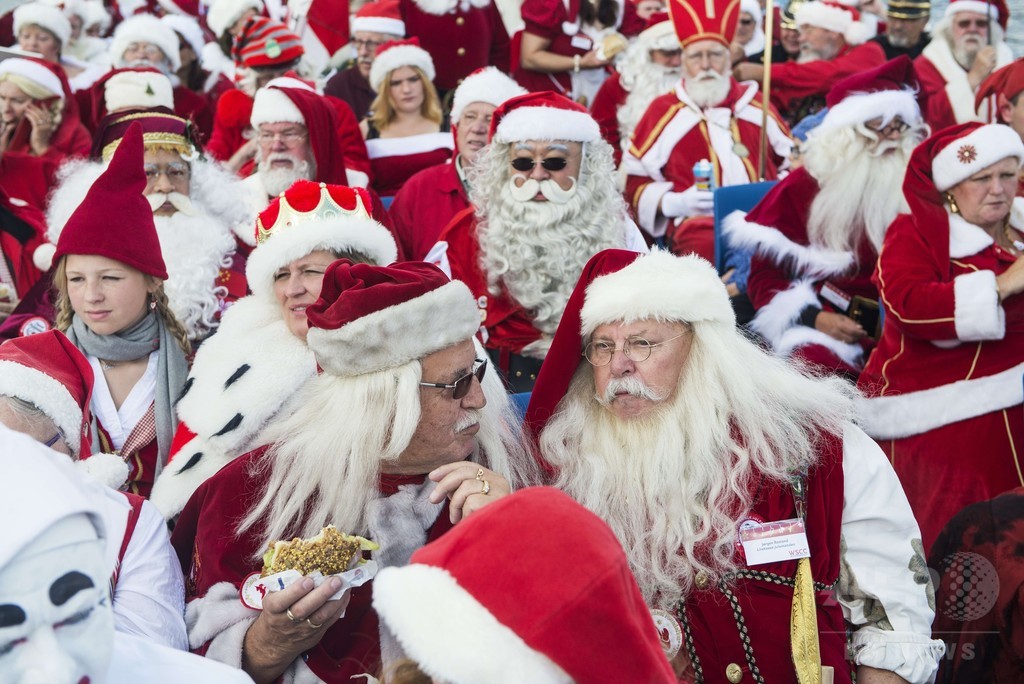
(690, 202)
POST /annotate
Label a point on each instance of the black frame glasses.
(549, 163)
(460, 388)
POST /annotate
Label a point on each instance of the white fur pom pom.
(108, 469)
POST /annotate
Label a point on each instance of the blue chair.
(520, 402)
(728, 200)
(386, 201)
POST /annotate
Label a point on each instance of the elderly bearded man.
(545, 202)
(401, 396)
(706, 116)
(682, 434)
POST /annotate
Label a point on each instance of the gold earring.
(952, 203)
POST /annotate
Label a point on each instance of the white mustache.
(547, 187)
(179, 201)
(631, 385)
(471, 418)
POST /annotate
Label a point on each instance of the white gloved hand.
(689, 202)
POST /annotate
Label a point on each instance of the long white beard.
(708, 88)
(647, 83)
(278, 180)
(195, 248)
(861, 193)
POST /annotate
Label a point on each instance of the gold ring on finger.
(480, 474)
(313, 624)
(291, 616)
(486, 488)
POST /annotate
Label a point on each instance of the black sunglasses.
(549, 164)
(460, 388)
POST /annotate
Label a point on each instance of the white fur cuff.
(220, 618)
(782, 312)
(914, 657)
(978, 315)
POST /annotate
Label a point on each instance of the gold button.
(519, 374)
(460, 52)
(734, 673)
(701, 580)
(459, 21)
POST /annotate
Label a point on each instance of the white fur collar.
(966, 238)
(958, 89)
(439, 7)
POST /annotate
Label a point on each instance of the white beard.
(861, 193)
(708, 88)
(278, 180)
(194, 248)
(647, 83)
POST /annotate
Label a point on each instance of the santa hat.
(48, 371)
(310, 216)
(265, 43)
(96, 13)
(659, 34)
(618, 285)
(399, 53)
(545, 115)
(223, 14)
(115, 220)
(383, 16)
(712, 20)
(1007, 81)
(188, 28)
(373, 318)
(145, 28)
(43, 15)
(36, 72)
(523, 591)
(835, 17)
(966, 151)
(887, 91)
(488, 84)
(995, 9)
(138, 88)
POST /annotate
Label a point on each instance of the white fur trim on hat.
(49, 395)
(977, 6)
(399, 56)
(394, 336)
(661, 36)
(861, 107)
(35, 72)
(968, 155)
(450, 634)
(45, 16)
(138, 89)
(490, 85)
(145, 28)
(659, 286)
(224, 13)
(272, 106)
(391, 27)
(546, 123)
(833, 19)
(189, 28)
(294, 242)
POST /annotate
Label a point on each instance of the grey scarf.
(148, 335)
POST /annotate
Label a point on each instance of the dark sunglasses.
(549, 164)
(460, 388)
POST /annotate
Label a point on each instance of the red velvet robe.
(19, 240)
(793, 83)
(605, 111)
(426, 204)
(141, 464)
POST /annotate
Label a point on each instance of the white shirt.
(119, 422)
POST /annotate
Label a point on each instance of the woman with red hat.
(944, 383)
(111, 304)
(39, 115)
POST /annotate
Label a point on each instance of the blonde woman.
(43, 29)
(38, 116)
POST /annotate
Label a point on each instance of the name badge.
(774, 542)
(581, 43)
(836, 297)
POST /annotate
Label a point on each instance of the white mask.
(56, 622)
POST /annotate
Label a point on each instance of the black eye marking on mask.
(66, 586)
(11, 615)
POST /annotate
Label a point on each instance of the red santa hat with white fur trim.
(45, 16)
(542, 116)
(466, 614)
(373, 318)
(488, 84)
(660, 33)
(399, 53)
(224, 13)
(887, 91)
(145, 28)
(835, 17)
(973, 150)
(995, 9)
(383, 16)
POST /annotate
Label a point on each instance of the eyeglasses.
(177, 172)
(976, 23)
(59, 435)
(897, 125)
(549, 163)
(636, 349)
(368, 44)
(147, 49)
(460, 388)
(289, 138)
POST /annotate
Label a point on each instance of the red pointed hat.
(996, 9)
(1007, 81)
(465, 613)
(47, 370)
(115, 220)
(704, 20)
(887, 91)
(372, 318)
(545, 115)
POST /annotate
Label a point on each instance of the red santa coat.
(948, 95)
(211, 554)
(141, 460)
(393, 161)
(461, 36)
(22, 230)
(26, 178)
(793, 83)
(787, 274)
(675, 134)
(605, 111)
(945, 381)
(424, 206)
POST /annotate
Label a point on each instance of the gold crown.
(325, 210)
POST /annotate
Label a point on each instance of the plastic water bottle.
(704, 175)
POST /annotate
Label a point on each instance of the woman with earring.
(944, 383)
(111, 304)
